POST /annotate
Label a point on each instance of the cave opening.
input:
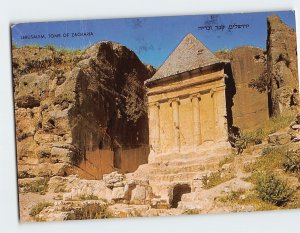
(177, 192)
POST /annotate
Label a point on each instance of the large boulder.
(246, 65)
(64, 99)
(114, 180)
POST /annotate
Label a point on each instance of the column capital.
(174, 100)
(196, 96)
(153, 104)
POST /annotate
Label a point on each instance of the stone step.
(192, 160)
(177, 169)
(182, 165)
(204, 152)
(179, 177)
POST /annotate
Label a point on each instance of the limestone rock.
(279, 138)
(120, 193)
(42, 169)
(247, 64)
(55, 94)
(114, 179)
(282, 63)
(227, 167)
(123, 210)
(158, 203)
(296, 127)
(138, 195)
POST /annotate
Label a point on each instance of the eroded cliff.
(66, 101)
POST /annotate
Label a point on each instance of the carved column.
(215, 113)
(154, 127)
(196, 119)
(175, 109)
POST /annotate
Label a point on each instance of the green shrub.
(272, 189)
(38, 208)
(254, 137)
(261, 83)
(239, 142)
(291, 162)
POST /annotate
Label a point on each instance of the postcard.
(156, 116)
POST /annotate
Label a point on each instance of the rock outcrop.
(281, 64)
(268, 80)
(246, 64)
(65, 101)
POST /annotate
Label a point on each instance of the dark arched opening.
(178, 191)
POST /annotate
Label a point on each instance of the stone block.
(113, 179)
(120, 193)
(138, 195)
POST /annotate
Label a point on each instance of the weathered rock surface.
(281, 64)
(246, 63)
(268, 80)
(279, 138)
(64, 99)
(114, 179)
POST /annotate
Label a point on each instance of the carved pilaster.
(175, 110)
(220, 115)
(196, 118)
(154, 127)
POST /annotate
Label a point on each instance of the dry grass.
(226, 160)
(250, 198)
(271, 126)
(61, 188)
(88, 197)
(38, 208)
(89, 211)
(53, 48)
(271, 160)
(216, 178)
(37, 186)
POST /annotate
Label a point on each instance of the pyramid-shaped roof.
(190, 54)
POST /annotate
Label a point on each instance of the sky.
(154, 38)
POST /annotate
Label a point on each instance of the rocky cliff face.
(281, 64)
(262, 83)
(65, 101)
(249, 106)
